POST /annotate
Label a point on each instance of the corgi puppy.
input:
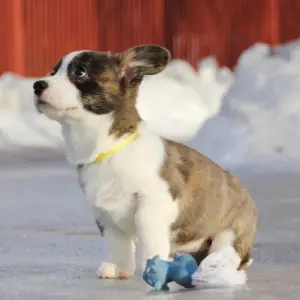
(141, 186)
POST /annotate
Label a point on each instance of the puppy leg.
(153, 220)
(243, 246)
(122, 251)
(223, 239)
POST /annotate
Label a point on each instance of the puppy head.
(85, 82)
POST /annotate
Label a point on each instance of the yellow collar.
(115, 149)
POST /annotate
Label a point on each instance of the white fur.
(62, 96)
(119, 243)
(221, 240)
(108, 270)
(125, 191)
(129, 197)
(189, 247)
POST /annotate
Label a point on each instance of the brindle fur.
(210, 199)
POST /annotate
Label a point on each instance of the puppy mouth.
(41, 102)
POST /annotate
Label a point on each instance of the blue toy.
(159, 273)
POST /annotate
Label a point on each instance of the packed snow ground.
(50, 247)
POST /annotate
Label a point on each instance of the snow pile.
(260, 117)
(20, 124)
(178, 96)
(177, 102)
(251, 116)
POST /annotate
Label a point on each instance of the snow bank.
(183, 97)
(174, 103)
(20, 124)
(259, 120)
(250, 117)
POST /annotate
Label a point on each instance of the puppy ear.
(142, 60)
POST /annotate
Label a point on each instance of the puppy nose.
(39, 87)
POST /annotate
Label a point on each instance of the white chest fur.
(116, 186)
(110, 195)
(131, 200)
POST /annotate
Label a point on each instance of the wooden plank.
(196, 29)
(289, 16)
(249, 22)
(56, 27)
(40, 32)
(124, 24)
(11, 37)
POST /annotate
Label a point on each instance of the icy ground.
(50, 247)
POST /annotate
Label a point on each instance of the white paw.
(110, 271)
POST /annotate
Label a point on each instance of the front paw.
(111, 271)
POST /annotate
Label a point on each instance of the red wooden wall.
(34, 34)
(224, 28)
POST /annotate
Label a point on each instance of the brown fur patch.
(210, 199)
(126, 118)
(134, 64)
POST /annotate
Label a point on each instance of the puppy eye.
(79, 72)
